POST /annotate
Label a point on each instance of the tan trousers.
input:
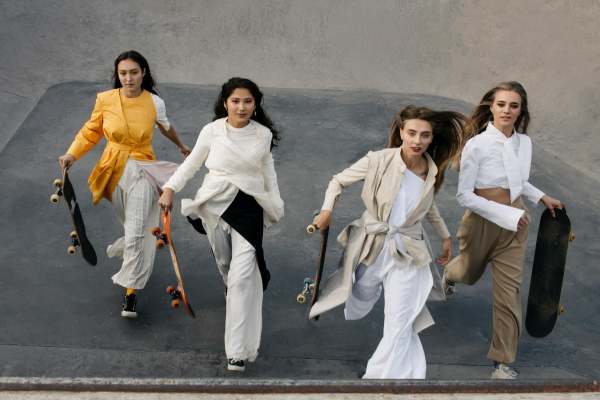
(482, 242)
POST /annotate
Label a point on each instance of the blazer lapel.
(427, 187)
(392, 173)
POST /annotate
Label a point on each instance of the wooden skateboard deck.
(310, 286)
(543, 305)
(164, 237)
(78, 237)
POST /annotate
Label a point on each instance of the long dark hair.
(259, 115)
(147, 82)
(483, 114)
(448, 128)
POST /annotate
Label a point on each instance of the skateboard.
(163, 237)
(310, 286)
(543, 304)
(64, 188)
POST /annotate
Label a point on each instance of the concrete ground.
(60, 317)
(303, 396)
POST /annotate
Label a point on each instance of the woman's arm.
(88, 136)
(354, 173)
(505, 216)
(271, 185)
(187, 169)
(171, 134)
(438, 224)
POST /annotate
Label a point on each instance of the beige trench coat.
(363, 239)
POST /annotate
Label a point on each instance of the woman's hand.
(551, 203)
(446, 254)
(323, 220)
(166, 199)
(185, 150)
(66, 161)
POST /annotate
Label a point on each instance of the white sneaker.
(447, 286)
(235, 364)
(503, 371)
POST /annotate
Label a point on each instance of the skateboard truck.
(55, 197)
(175, 296)
(307, 290)
(161, 237)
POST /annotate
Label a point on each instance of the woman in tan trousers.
(494, 173)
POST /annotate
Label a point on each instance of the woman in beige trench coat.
(387, 246)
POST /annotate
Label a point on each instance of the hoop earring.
(255, 112)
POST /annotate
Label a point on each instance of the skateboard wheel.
(561, 309)
(54, 198)
(155, 231)
(311, 229)
(73, 235)
(160, 243)
(175, 303)
(71, 249)
(571, 237)
(170, 289)
(57, 182)
(301, 298)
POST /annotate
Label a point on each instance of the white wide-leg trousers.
(399, 354)
(236, 260)
(136, 206)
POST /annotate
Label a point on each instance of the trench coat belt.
(415, 248)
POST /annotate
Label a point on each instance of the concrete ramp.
(60, 317)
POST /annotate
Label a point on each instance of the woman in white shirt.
(387, 247)
(494, 173)
(238, 196)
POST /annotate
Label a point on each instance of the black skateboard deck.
(164, 237)
(64, 189)
(543, 304)
(310, 286)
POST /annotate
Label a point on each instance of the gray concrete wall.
(455, 49)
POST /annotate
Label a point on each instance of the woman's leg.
(507, 276)
(140, 212)
(400, 354)
(476, 238)
(243, 320)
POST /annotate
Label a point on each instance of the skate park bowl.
(61, 317)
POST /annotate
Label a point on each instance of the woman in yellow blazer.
(387, 247)
(128, 174)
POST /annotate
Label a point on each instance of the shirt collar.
(492, 130)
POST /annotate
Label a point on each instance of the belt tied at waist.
(416, 249)
(129, 147)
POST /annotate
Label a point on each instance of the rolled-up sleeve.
(502, 215)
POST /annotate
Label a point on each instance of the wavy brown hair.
(483, 114)
(448, 128)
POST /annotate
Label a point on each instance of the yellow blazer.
(128, 125)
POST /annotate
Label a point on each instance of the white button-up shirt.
(491, 160)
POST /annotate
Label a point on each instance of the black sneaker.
(235, 364)
(129, 306)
